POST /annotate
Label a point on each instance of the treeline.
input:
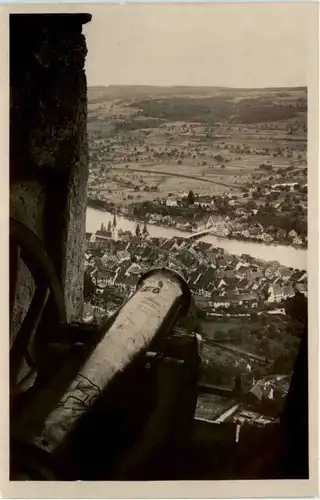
(100, 204)
(294, 220)
(126, 126)
(258, 114)
(217, 109)
(188, 212)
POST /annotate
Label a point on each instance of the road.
(226, 414)
(236, 350)
(166, 173)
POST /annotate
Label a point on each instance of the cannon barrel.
(147, 317)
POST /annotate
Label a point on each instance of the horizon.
(293, 87)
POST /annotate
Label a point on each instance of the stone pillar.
(48, 145)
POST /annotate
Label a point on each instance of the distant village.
(274, 214)
(264, 193)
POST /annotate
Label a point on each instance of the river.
(285, 255)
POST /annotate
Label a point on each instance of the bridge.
(199, 234)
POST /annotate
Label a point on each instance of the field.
(147, 143)
(211, 327)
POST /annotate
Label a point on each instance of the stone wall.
(48, 145)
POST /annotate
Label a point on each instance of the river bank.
(234, 235)
(285, 255)
(268, 243)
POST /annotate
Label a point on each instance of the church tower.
(145, 232)
(114, 228)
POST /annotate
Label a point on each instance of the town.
(197, 164)
(240, 303)
(229, 217)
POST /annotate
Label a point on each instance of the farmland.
(148, 143)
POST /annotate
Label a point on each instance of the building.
(293, 234)
(171, 202)
(275, 293)
(88, 313)
(302, 288)
(297, 240)
(288, 291)
(204, 201)
(221, 229)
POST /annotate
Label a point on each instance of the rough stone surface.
(48, 144)
(27, 203)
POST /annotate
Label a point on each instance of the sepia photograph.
(160, 181)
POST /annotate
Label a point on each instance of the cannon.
(125, 391)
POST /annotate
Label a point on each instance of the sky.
(234, 45)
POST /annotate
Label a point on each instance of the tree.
(297, 307)
(138, 231)
(109, 227)
(145, 229)
(191, 197)
(282, 365)
(219, 158)
(88, 287)
(238, 384)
